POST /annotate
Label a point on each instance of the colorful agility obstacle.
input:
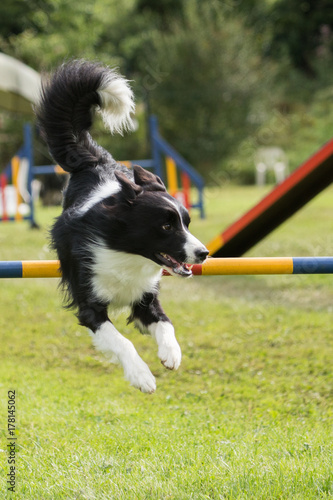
(16, 197)
(187, 174)
(212, 267)
(182, 191)
(282, 202)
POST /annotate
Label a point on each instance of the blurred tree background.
(223, 77)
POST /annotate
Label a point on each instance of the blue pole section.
(201, 204)
(153, 129)
(160, 145)
(11, 269)
(312, 265)
(28, 152)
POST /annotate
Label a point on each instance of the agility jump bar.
(30, 269)
(212, 267)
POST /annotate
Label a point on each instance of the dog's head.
(155, 225)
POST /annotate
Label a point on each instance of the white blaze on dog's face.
(172, 246)
(194, 250)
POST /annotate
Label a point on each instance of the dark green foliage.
(11, 131)
(215, 72)
(303, 29)
(163, 8)
(20, 15)
(204, 78)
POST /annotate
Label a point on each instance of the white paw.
(170, 355)
(139, 375)
(168, 349)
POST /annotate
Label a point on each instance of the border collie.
(119, 228)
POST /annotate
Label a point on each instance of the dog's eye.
(167, 227)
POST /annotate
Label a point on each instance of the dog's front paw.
(168, 349)
(139, 375)
(170, 355)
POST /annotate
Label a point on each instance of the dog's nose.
(201, 254)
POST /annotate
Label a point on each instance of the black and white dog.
(119, 228)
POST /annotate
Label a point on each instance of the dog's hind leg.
(115, 347)
(149, 317)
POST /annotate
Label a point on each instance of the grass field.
(247, 416)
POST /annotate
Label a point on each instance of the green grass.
(247, 416)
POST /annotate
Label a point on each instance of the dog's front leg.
(149, 317)
(168, 348)
(116, 347)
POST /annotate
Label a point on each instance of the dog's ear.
(149, 181)
(129, 190)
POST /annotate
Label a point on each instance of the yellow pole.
(41, 269)
(212, 267)
(171, 171)
(249, 265)
(59, 170)
(15, 171)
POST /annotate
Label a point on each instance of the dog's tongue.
(179, 268)
(173, 267)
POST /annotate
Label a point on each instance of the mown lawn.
(247, 416)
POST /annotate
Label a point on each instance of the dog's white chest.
(121, 278)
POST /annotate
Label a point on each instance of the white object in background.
(270, 158)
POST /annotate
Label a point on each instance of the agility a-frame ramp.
(312, 177)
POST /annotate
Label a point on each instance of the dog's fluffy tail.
(65, 111)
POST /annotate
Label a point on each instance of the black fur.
(131, 213)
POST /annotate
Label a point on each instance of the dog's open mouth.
(173, 266)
